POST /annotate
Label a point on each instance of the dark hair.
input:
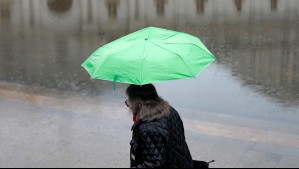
(146, 104)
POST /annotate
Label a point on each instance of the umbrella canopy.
(148, 56)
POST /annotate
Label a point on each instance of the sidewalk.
(48, 128)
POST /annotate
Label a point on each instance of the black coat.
(160, 144)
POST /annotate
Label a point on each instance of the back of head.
(143, 93)
(145, 102)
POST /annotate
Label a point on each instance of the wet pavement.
(242, 111)
(41, 128)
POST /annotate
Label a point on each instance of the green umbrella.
(148, 56)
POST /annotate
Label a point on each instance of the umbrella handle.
(211, 162)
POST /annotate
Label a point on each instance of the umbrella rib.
(109, 56)
(173, 35)
(144, 53)
(209, 52)
(97, 69)
(176, 55)
(142, 63)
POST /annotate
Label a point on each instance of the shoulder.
(173, 112)
(174, 116)
(159, 125)
(154, 126)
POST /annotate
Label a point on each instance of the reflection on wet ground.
(44, 42)
(256, 75)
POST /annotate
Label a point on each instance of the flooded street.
(246, 104)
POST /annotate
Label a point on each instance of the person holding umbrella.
(140, 59)
(158, 133)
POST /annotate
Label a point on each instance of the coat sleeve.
(153, 150)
